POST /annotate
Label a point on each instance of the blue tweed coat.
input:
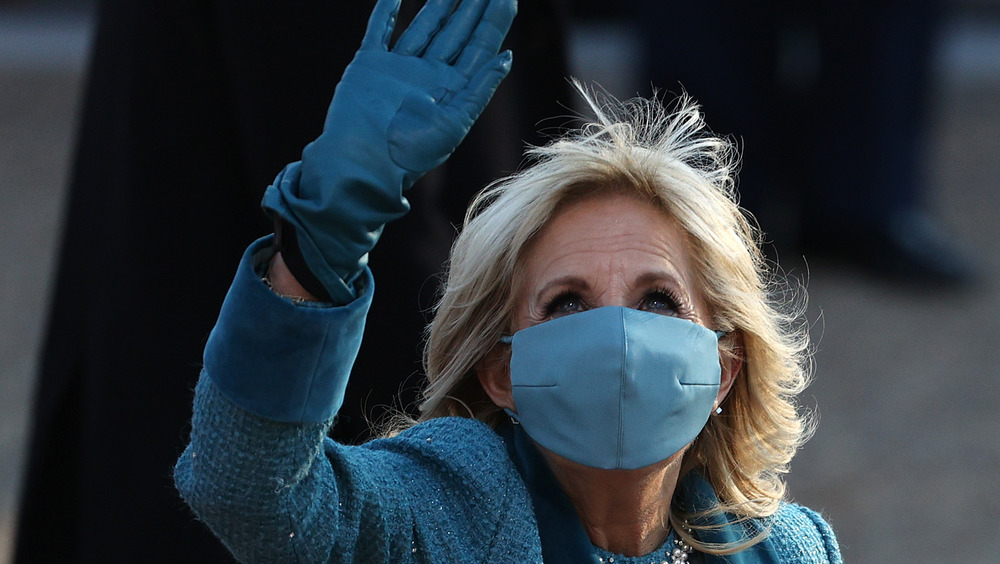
(261, 473)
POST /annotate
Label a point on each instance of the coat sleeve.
(260, 472)
(801, 535)
(273, 378)
(282, 361)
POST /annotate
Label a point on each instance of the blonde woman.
(609, 381)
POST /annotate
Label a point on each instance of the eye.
(660, 301)
(564, 304)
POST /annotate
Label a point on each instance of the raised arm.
(275, 369)
(398, 112)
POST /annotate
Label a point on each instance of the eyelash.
(660, 293)
(667, 295)
(549, 307)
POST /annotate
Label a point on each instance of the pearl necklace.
(679, 555)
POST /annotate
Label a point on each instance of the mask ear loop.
(507, 339)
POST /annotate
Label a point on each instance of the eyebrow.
(673, 277)
(570, 281)
(576, 282)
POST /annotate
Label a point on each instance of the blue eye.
(564, 304)
(660, 302)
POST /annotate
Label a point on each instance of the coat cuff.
(286, 362)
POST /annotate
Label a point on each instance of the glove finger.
(477, 93)
(380, 25)
(449, 42)
(427, 22)
(489, 35)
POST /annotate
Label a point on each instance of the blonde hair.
(666, 156)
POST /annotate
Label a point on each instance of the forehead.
(610, 248)
(608, 223)
(603, 237)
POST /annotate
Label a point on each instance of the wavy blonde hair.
(666, 156)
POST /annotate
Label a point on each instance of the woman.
(600, 307)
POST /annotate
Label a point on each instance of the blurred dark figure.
(190, 111)
(830, 101)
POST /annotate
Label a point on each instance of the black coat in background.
(191, 109)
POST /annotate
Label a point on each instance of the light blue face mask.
(613, 387)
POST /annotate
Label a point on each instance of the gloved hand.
(395, 115)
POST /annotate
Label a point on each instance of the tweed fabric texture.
(274, 489)
(443, 491)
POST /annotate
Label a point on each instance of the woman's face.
(608, 250)
(603, 250)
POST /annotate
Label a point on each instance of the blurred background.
(903, 463)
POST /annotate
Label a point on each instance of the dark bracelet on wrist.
(287, 244)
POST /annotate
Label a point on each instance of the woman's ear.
(493, 371)
(732, 364)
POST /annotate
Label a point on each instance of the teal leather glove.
(396, 114)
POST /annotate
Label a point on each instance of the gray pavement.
(903, 462)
